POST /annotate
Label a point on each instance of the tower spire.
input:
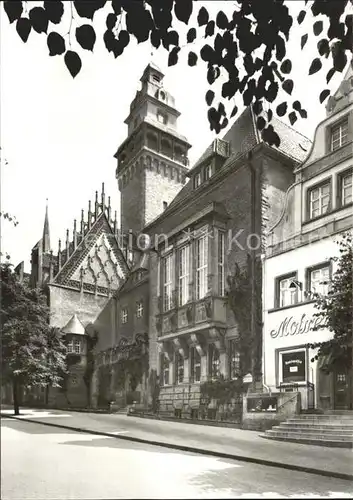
(46, 232)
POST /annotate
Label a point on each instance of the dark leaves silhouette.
(23, 28)
(54, 11)
(56, 44)
(86, 36)
(73, 62)
(13, 9)
(192, 59)
(39, 19)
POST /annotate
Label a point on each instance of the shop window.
(319, 199)
(339, 134)
(195, 365)
(292, 366)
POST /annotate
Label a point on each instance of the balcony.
(210, 311)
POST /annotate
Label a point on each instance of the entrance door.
(342, 389)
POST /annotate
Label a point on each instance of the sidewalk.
(218, 441)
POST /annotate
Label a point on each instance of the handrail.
(288, 400)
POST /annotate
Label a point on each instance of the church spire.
(46, 232)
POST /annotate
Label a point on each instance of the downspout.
(263, 299)
(253, 261)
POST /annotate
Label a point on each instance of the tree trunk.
(15, 390)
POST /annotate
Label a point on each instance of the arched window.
(166, 148)
(152, 141)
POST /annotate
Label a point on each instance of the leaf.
(124, 38)
(209, 31)
(339, 57)
(303, 113)
(318, 27)
(222, 20)
(260, 123)
(56, 44)
(86, 36)
(183, 10)
(303, 41)
(292, 117)
(287, 86)
(315, 66)
(191, 35)
(301, 16)
(286, 66)
(39, 19)
(116, 4)
(109, 40)
(202, 17)
(330, 74)
(323, 95)
(271, 92)
(257, 107)
(54, 10)
(13, 9)
(23, 28)
(296, 105)
(192, 59)
(155, 38)
(173, 56)
(111, 20)
(281, 109)
(234, 112)
(269, 115)
(87, 8)
(323, 47)
(73, 62)
(209, 97)
(172, 38)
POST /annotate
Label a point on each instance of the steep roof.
(74, 326)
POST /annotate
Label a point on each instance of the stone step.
(317, 425)
(311, 430)
(338, 421)
(316, 442)
(327, 416)
(339, 412)
(309, 435)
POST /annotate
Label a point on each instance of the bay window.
(167, 282)
(201, 266)
(184, 274)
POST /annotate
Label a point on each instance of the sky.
(59, 134)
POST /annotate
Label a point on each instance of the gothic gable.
(97, 264)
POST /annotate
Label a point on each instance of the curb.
(191, 449)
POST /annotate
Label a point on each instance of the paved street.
(40, 462)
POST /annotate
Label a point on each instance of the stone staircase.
(331, 428)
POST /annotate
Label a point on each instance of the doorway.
(342, 387)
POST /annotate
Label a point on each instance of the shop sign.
(293, 366)
(290, 326)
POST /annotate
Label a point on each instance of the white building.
(317, 209)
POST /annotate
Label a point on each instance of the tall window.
(319, 280)
(201, 266)
(162, 117)
(286, 296)
(167, 282)
(165, 369)
(124, 315)
(197, 180)
(346, 188)
(234, 359)
(208, 172)
(319, 200)
(195, 365)
(339, 134)
(221, 266)
(184, 273)
(77, 346)
(213, 358)
(139, 309)
(179, 364)
(70, 346)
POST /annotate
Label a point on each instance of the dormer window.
(339, 134)
(156, 78)
(197, 180)
(208, 172)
